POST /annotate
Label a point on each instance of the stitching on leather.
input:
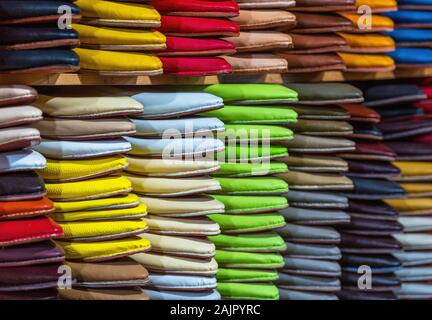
(198, 109)
(90, 154)
(20, 240)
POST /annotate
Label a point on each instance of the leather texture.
(248, 223)
(374, 189)
(253, 94)
(120, 212)
(165, 187)
(313, 63)
(370, 151)
(66, 150)
(17, 116)
(176, 265)
(170, 168)
(361, 113)
(199, 8)
(380, 23)
(164, 105)
(324, 6)
(106, 62)
(310, 144)
(265, 19)
(21, 160)
(195, 66)
(313, 199)
(184, 207)
(29, 277)
(82, 107)
(182, 227)
(12, 95)
(180, 127)
(411, 18)
(38, 60)
(262, 242)
(182, 295)
(368, 245)
(193, 284)
(104, 250)
(265, 4)
(367, 62)
(393, 130)
(261, 41)
(314, 217)
(321, 128)
(307, 181)
(312, 163)
(103, 294)
(74, 129)
(174, 147)
(107, 38)
(24, 37)
(309, 235)
(21, 186)
(369, 43)
(16, 232)
(362, 226)
(25, 209)
(90, 189)
(112, 203)
(122, 272)
(41, 252)
(19, 12)
(326, 93)
(306, 43)
(89, 231)
(321, 23)
(370, 169)
(382, 95)
(182, 247)
(110, 13)
(198, 27)
(182, 46)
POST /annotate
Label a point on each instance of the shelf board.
(66, 79)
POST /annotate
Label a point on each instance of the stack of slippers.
(117, 38)
(318, 183)
(367, 238)
(29, 259)
(332, 36)
(249, 251)
(406, 132)
(413, 34)
(258, 39)
(372, 237)
(33, 42)
(102, 221)
(195, 32)
(170, 163)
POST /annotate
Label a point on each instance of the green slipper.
(251, 204)
(243, 186)
(247, 291)
(247, 260)
(254, 132)
(244, 275)
(257, 152)
(230, 169)
(253, 115)
(233, 224)
(253, 93)
(257, 242)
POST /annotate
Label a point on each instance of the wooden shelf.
(66, 79)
